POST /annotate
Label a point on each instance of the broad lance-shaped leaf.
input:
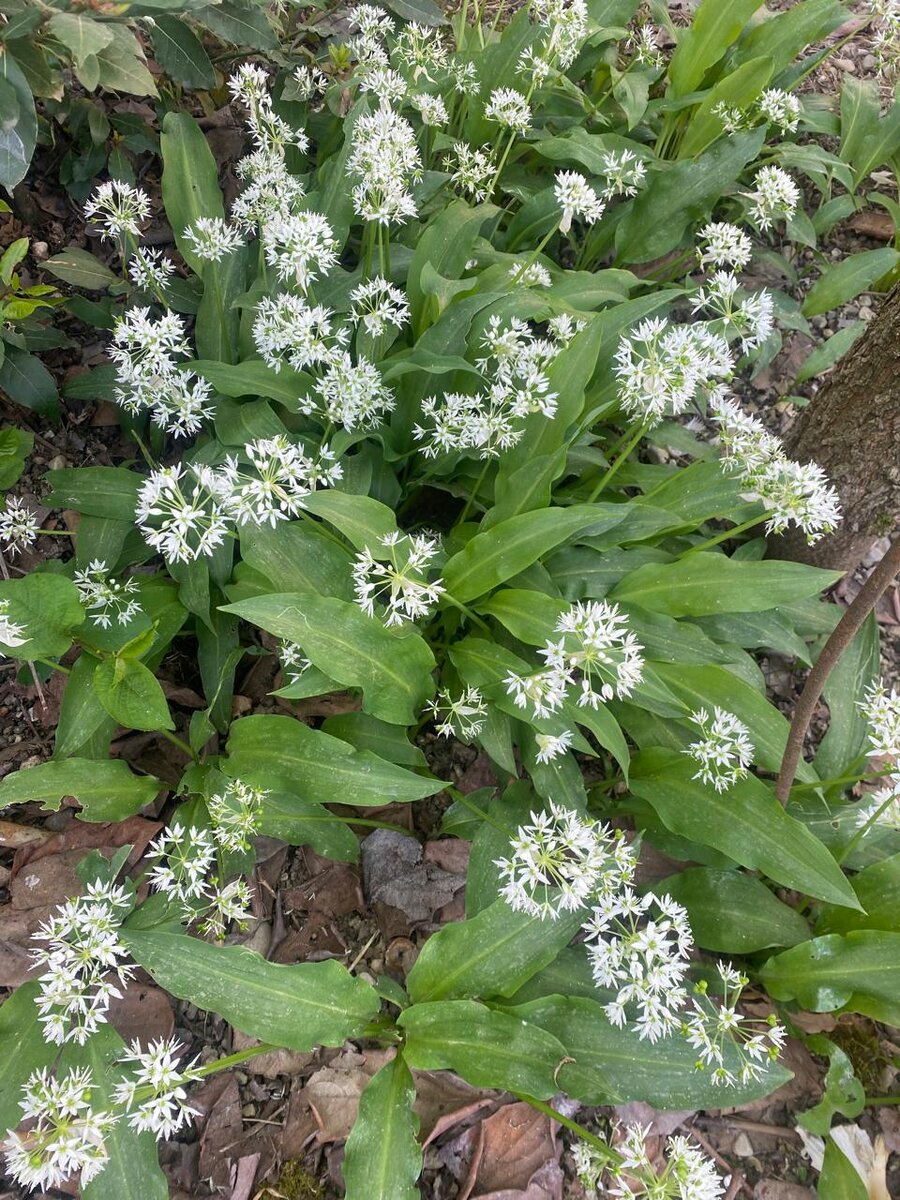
(613, 1066)
(394, 672)
(747, 823)
(492, 954)
(498, 554)
(132, 1171)
(702, 584)
(300, 1006)
(489, 1049)
(382, 1159)
(106, 791)
(190, 182)
(20, 1027)
(733, 913)
(859, 971)
(878, 890)
(279, 752)
(49, 610)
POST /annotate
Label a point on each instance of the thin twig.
(839, 639)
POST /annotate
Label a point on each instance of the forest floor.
(275, 1127)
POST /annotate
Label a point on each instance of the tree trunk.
(851, 428)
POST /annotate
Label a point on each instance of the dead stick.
(839, 639)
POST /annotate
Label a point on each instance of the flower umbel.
(398, 579)
(105, 598)
(724, 751)
(19, 526)
(165, 1110)
(561, 862)
(462, 717)
(712, 1028)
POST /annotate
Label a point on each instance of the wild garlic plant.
(445, 414)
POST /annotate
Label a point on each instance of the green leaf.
(368, 733)
(843, 1092)
(445, 247)
(302, 822)
(856, 972)
(131, 694)
(80, 34)
(731, 912)
(190, 182)
(20, 1028)
(50, 610)
(382, 1159)
(747, 823)
(613, 1066)
(26, 381)
(253, 378)
(488, 1049)
(300, 1007)
(878, 891)
(845, 739)
(81, 269)
(106, 791)
(739, 88)
(394, 672)
(18, 123)
(279, 752)
(363, 521)
(180, 53)
(491, 954)
(839, 1179)
(132, 1171)
(700, 584)
(784, 35)
(297, 557)
(425, 12)
(848, 278)
(491, 558)
(98, 491)
(831, 351)
(15, 446)
(239, 24)
(82, 718)
(121, 65)
(713, 30)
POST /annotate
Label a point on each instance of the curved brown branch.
(841, 636)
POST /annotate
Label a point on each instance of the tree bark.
(851, 428)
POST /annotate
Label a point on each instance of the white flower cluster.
(576, 198)
(212, 238)
(155, 1094)
(639, 946)
(397, 578)
(662, 369)
(19, 526)
(881, 709)
(118, 208)
(776, 197)
(644, 47)
(462, 717)
(711, 1026)
(564, 27)
(66, 1136)
(885, 36)
(148, 378)
(724, 245)
(385, 159)
(624, 174)
(185, 513)
(597, 654)
(510, 109)
(780, 108)
(294, 662)
(562, 862)
(350, 393)
(82, 963)
(724, 750)
(631, 1175)
(490, 422)
(289, 331)
(794, 493)
(746, 315)
(474, 170)
(184, 869)
(150, 270)
(104, 597)
(235, 814)
(249, 85)
(421, 52)
(10, 631)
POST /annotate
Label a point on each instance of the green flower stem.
(463, 799)
(368, 822)
(56, 533)
(840, 780)
(627, 449)
(46, 662)
(474, 492)
(725, 535)
(473, 617)
(233, 1060)
(525, 267)
(177, 741)
(585, 1134)
(871, 1100)
(863, 830)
